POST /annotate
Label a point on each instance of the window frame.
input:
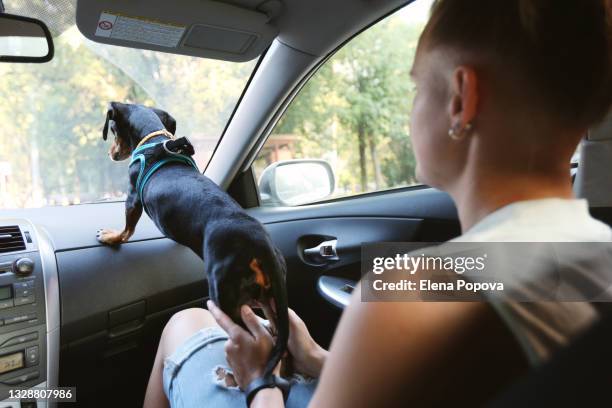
(237, 182)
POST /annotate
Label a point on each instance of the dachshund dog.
(242, 264)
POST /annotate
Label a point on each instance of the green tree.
(52, 114)
(358, 106)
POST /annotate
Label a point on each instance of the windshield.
(51, 115)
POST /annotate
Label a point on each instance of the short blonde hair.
(561, 49)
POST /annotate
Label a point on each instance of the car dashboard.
(29, 308)
(74, 313)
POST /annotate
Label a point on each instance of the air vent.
(11, 239)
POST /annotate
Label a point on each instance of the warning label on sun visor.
(120, 27)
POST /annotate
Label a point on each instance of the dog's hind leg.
(133, 211)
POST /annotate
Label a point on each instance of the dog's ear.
(110, 114)
(115, 111)
(167, 119)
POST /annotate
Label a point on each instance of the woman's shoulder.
(547, 220)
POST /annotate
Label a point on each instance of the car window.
(51, 115)
(351, 118)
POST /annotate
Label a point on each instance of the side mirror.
(295, 182)
(24, 39)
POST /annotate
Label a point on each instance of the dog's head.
(129, 123)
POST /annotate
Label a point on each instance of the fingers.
(293, 317)
(251, 320)
(277, 369)
(230, 348)
(267, 310)
(227, 324)
(270, 315)
(295, 322)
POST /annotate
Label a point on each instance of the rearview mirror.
(295, 182)
(24, 39)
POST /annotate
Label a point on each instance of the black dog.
(241, 263)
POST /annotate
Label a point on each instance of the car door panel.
(415, 202)
(412, 215)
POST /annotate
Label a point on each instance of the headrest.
(593, 180)
(603, 131)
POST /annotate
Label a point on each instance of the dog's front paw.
(109, 237)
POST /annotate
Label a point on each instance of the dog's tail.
(279, 294)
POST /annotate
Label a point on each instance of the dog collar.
(151, 135)
(152, 156)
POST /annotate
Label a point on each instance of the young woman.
(505, 91)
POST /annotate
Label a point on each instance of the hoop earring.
(458, 133)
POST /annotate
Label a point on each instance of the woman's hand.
(308, 356)
(247, 352)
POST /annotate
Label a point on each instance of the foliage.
(51, 115)
(355, 111)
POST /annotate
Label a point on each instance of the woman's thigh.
(181, 326)
(194, 364)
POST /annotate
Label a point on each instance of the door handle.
(324, 252)
(336, 290)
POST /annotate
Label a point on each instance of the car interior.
(90, 316)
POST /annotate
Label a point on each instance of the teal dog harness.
(152, 156)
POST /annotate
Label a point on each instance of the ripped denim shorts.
(195, 375)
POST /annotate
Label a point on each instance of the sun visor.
(200, 28)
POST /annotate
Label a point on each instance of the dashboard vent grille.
(11, 239)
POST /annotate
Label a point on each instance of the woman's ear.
(464, 96)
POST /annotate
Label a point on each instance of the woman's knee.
(192, 317)
(183, 325)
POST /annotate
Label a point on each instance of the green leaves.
(355, 110)
(51, 115)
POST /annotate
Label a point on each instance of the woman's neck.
(477, 198)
